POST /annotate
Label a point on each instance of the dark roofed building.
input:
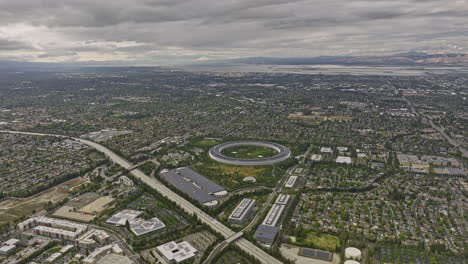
(188, 188)
(316, 254)
(202, 182)
(266, 234)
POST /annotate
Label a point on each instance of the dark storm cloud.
(8, 45)
(142, 29)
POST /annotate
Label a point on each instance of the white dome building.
(352, 253)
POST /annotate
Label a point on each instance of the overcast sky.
(169, 31)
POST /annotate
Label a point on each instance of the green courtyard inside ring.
(249, 153)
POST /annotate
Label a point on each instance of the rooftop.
(190, 189)
(200, 180)
(177, 251)
(242, 208)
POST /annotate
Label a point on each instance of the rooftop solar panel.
(191, 190)
(200, 180)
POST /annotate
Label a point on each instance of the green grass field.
(232, 257)
(231, 177)
(249, 152)
(320, 241)
(54, 250)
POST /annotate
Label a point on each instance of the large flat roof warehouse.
(200, 180)
(188, 188)
(98, 205)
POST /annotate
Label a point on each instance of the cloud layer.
(171, 31)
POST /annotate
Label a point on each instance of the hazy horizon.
(174, 32)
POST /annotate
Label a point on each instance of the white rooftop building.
(282, 199)
(342, 149)
(138, 226)
(343, 160)
(291, 182)
(242, 212)
(274, 215)
(316, 157)
(6, 249)
(123, 216)
(326, 150)
(177, 252)
(249, 179)
(141, 226)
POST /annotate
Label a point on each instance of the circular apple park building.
(283, 153)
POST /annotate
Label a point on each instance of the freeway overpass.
(217, 226)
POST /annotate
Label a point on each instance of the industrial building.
(55, 228)
(266, 232)
(242, 212)
(201, 181)
(84, 208)
(291, 182)
(190, 188)
(177, 252)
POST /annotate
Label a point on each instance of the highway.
(217, 226)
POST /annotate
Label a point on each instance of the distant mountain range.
(401, 59)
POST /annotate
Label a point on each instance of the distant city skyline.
(174, 31)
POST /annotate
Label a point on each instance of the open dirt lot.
(11, 209)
